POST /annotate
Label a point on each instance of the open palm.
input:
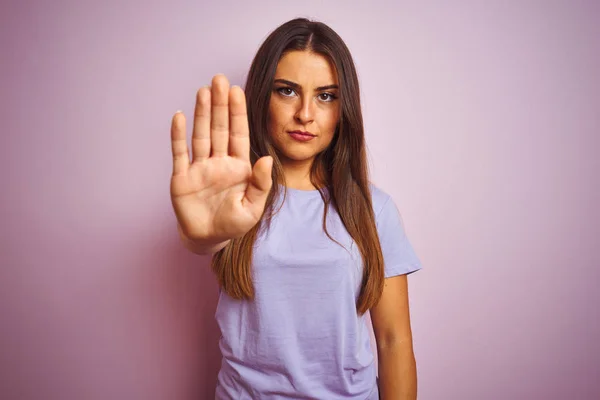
(218, 195)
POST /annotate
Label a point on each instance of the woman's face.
(304, 107)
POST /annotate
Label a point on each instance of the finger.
(239, 139)
(181, 158)
(201, 133)
(260, 184)
(219, 124)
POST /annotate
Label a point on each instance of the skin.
(305, 98)
(216, 194)
(305, 108)
(391, 325)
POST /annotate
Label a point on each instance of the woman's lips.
(301, 136)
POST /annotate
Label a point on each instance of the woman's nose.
(306, 111)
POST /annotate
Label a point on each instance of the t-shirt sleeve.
(398, 254)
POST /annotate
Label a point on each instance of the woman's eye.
(286, 91)
(327, 96)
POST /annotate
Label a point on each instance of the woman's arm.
(391, 325)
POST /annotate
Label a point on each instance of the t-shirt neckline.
(300, 192)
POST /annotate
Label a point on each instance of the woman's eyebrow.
(296, 86)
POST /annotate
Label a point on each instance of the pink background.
(483, 122)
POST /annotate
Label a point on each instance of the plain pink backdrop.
(482, 122)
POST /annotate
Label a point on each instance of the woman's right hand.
(218, 195)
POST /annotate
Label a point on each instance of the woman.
(303, 245)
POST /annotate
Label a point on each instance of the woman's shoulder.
(379, 198)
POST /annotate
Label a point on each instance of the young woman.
(303, 244)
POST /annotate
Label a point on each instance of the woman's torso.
(301, 336)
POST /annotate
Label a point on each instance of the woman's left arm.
(391, 325)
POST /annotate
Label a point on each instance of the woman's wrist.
(199, 246)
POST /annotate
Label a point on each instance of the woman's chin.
(297, 157)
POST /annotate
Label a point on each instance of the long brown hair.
(341, 169)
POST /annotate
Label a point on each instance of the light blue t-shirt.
(301, 337)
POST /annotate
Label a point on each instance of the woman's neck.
(297, 175)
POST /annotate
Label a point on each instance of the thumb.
(260, 182)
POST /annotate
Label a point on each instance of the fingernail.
(178, 111)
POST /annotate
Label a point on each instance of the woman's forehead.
(306, 68)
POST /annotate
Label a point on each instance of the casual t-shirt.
(301, 336)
